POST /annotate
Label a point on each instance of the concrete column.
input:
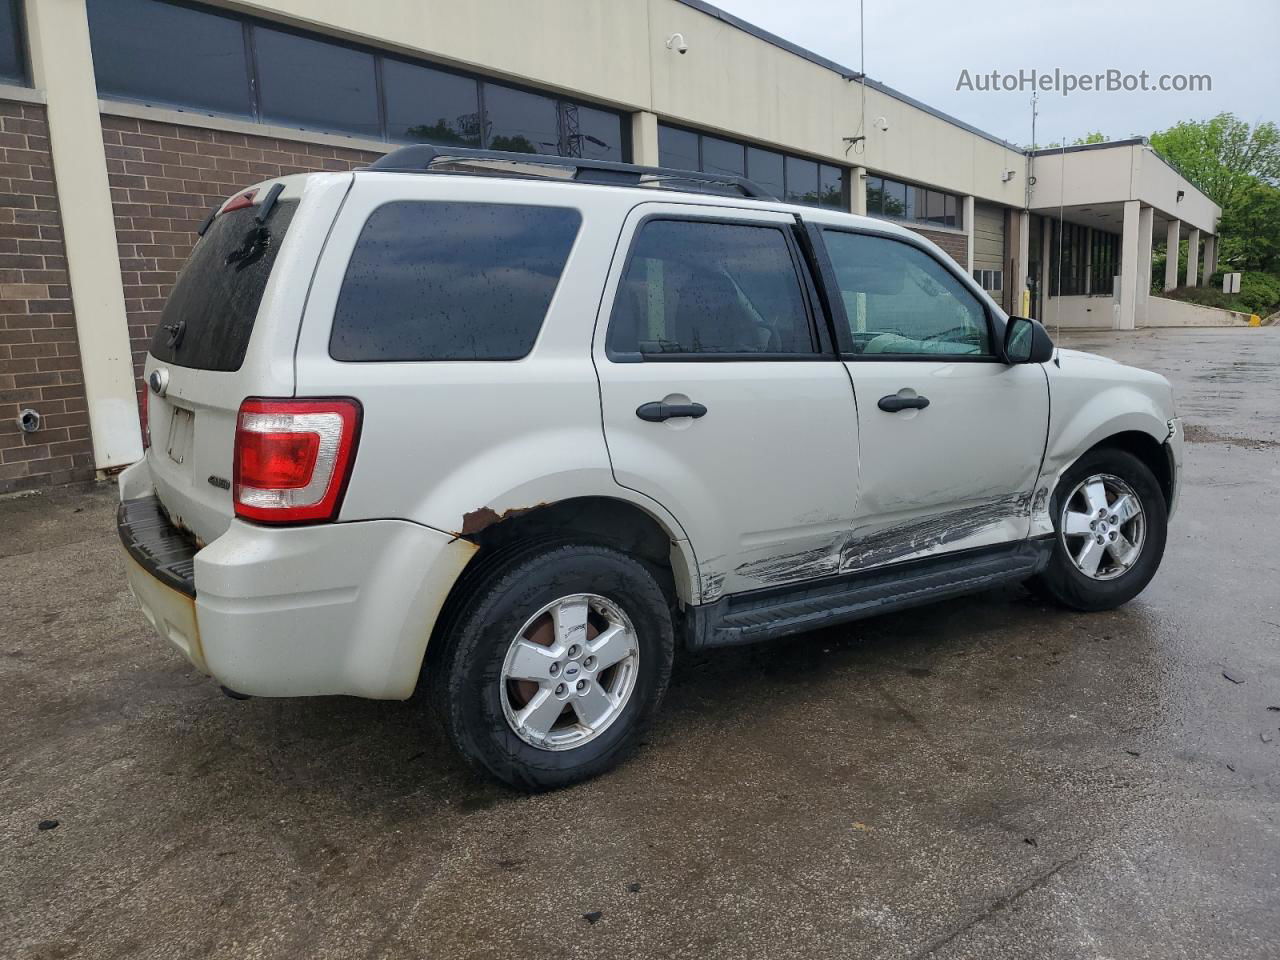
(644, 138)
(1172, 239)
(967, 215)
(1146, 221)
(58, 38)
(1193, 258)
(858, 191)
(1022, 267)
(1210, 257)
(1129, 266)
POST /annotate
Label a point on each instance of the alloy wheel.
(569, 672)
(1103, 527)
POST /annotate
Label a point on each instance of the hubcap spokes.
(1103, 527)
(569, 672)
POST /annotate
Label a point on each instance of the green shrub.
(1259, 293)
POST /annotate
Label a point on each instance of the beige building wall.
(730, 81)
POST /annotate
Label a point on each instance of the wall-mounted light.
(1181, 194)
(1008, 175)
(676, 42)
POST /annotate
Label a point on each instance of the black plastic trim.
(160, 548)
(773, 612)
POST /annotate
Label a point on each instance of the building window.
(896, 200)
(787, 177)
(211, 61)
(1104, 262)
(990, 280)
(430, 106)
(317, 85)
(1081, 261)
(184, 57)
(13, 49)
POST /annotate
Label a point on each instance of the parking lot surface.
(989, 777)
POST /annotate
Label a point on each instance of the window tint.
(310, 83)
(899, 300)
(677, 148)
(903, 201)
(451, 281)
(723, 156)
(146, 50)
(831, 187)
(802, 181)
(765, 168)
(217, 294)
(430, 106)
(521, 122)
(594, 134)
(13, 61)
(695, 287)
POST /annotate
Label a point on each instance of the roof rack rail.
(427, 158)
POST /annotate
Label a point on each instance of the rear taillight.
(293, 459)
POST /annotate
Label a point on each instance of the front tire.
(553, 665)
(1110, 524)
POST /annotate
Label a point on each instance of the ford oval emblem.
(159, 382)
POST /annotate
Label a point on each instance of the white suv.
(522, 425)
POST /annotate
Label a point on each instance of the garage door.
(988, 248)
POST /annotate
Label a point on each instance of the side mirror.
(1026, 341)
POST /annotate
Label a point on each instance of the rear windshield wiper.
(264, 209)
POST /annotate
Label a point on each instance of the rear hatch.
(228, 331)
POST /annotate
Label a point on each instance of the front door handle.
(656, 411)
(893, 403)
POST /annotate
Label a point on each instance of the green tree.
(1223, 156)
(1250, 228)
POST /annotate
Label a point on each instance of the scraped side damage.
(869, 547)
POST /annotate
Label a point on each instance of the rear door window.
(209, 315)
(708, 287)
(451, 281)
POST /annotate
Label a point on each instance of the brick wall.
(39, 354)
(955, 244)
(164, 181)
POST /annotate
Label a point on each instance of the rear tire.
(1095, 500)
(526, 683)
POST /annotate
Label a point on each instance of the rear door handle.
(893, 403)
(656, 411)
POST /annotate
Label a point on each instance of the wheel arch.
(1153, 453)
(606, 521)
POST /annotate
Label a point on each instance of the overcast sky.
(921, 46)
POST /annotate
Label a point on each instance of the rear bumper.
(344, 608)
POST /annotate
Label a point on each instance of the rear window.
(451, 281)
(209, 315)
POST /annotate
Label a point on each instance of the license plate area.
(181, 427)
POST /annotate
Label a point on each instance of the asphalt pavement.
(984, 778)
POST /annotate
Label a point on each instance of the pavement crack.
(996, 906)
